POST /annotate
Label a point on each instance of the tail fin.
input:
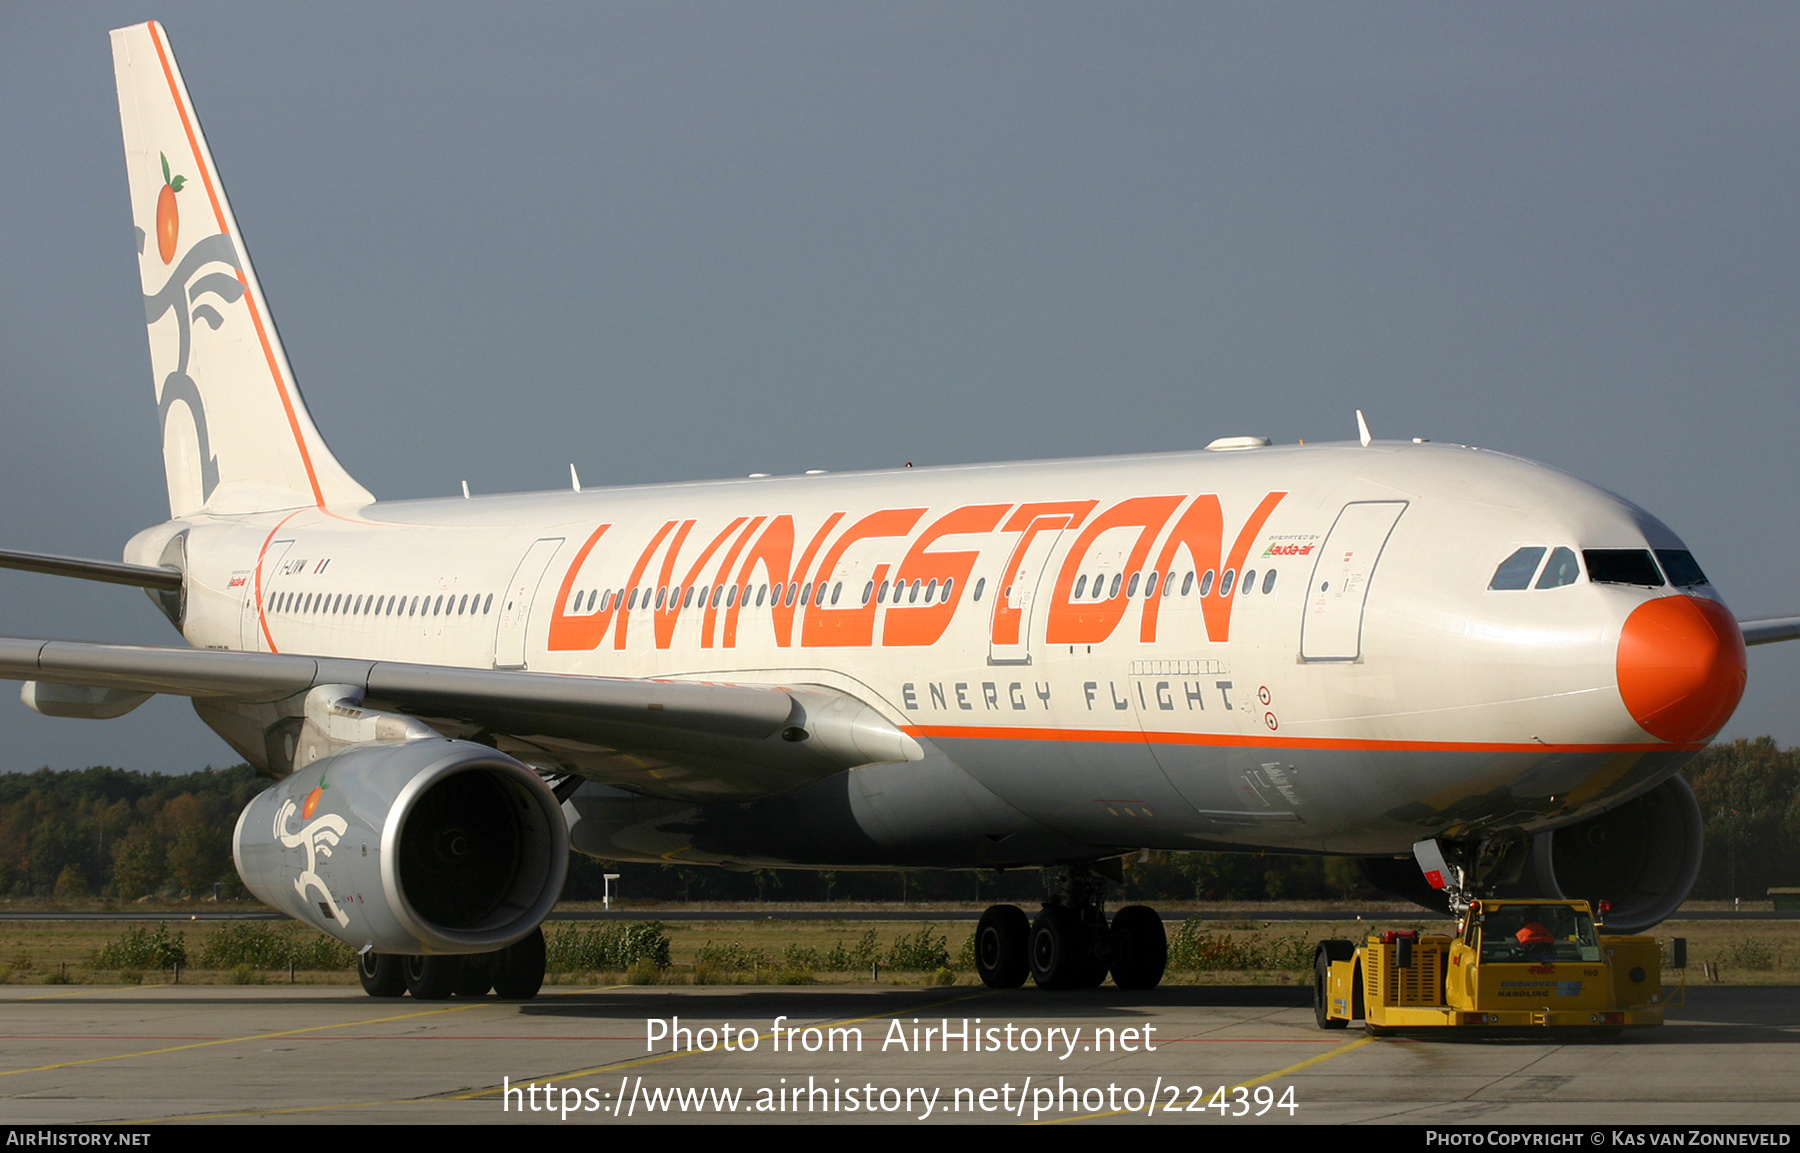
(236, 435)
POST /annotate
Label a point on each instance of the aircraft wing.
(1770, 629)
(679, 739)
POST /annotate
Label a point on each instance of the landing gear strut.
(1070, 945)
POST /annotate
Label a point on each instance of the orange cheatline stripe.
(1235, 741)
(261, 619)
(281, 390)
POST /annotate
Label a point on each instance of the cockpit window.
(1622, 566)
(1682, 570)
(1562, 569)
(1515, 571)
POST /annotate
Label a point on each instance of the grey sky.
(692, 240)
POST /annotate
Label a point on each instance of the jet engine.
(427, 846)
(1641, 857)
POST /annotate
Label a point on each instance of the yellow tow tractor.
(1513, 965)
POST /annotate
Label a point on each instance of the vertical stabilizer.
(236, 435)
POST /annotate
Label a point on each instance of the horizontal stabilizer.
(112, 572)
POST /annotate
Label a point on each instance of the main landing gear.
(1070, 945)
(515, 973)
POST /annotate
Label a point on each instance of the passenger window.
(914, 597)
(1118, 579)
(1622, 566)
(487, 604)
(687, 598)
(948, 585)
(1268, 582)
(760, 591)
(1131, 589)
(1249, 582)
(1683, 571)
(1226, 581)
(868, 591)
(881, 594)
(1562, 569)
(931, 591)
(1516, 570)
(717, 595)
(835, 590)
(1187, 584)
(1206, 583)
(979, 586)
(1080, 586)
(806, 594)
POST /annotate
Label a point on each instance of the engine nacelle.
(1641, 857)
(425, 846)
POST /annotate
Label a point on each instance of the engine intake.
(1643, 857)
(427, 846)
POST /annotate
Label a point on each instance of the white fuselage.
(1321, 667)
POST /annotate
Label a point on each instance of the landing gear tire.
(477, 976)
(1002, 947)
(432, 978)
(1062, 951)
(521, 971)
(382, 974)
(1140, 948)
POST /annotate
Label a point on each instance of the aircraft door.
(1331, 629)
(1021, 587)
(515, 608)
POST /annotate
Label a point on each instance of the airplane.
(1350, 648)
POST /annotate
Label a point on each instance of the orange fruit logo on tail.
(168, 220)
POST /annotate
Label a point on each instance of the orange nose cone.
(1681, 667)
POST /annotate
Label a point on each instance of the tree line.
(112, 834)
